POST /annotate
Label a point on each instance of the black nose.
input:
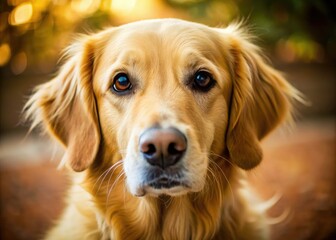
(162, 147)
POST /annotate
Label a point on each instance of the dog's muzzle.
(163, 150)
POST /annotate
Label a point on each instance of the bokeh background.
(299, 38)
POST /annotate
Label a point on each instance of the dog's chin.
(158, 188)
(172, 191)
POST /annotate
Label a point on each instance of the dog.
(160, 120)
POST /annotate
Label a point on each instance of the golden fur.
(100, 130)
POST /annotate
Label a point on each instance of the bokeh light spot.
(5, 54)
(122, 6)
(21, 14)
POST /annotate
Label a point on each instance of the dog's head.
(164, 97)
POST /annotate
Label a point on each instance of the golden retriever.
(159, 119)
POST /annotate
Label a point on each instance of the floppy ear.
(260, 99)
(66, 107)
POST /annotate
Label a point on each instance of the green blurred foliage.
(306, 26)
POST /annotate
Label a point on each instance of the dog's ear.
(66, 107)
(260, 99)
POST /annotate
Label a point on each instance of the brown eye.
(203, 81)
(121, 83)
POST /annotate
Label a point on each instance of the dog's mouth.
(165, 179)
(165, 182)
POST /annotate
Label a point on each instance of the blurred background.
(299, 38)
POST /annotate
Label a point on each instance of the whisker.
(224, 175)
(214, 176)
(207, 188)
(108, 183)
(115, 182)
(103, 174)
(106, 172)
(221, 157)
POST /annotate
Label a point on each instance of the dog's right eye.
(121, 83)
(203, 81)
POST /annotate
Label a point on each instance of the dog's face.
(164, 97)
(162, 91)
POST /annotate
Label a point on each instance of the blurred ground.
(299, 165)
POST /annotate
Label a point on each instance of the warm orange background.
(299, 37)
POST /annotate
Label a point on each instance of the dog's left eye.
(121, 83)
(203, 81)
